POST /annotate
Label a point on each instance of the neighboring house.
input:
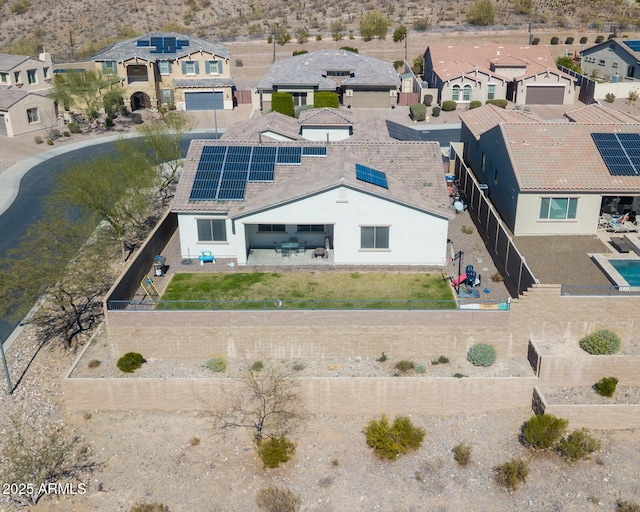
(551, 178)
(615, 60)
(360, 81)
(325, 125)
(522, 74)
(369, 203)
(170, 70)
(24, 83)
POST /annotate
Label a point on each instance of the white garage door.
(3, 126)
(204, 100)
(545, 95)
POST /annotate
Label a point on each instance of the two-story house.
(170, 70)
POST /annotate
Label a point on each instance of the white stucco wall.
(320, 133)
(585, 223)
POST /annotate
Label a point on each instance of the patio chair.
(276, 247)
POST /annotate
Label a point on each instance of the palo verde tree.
(269, 402)
(481, 12)
(63, 259)
(374, 24)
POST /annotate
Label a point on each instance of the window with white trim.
(311, 228)
(214, 67)
(455, 92)
(271, 228)
(189, 67)
(32, 76)
(374, 237)
(614, 64)
(4, 78)
(164, 67)
(212, 230)
(466, 93)
(558, 208)
(109, 67)
(32, 115)
(491, 91)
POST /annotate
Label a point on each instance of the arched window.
(466, 93)
(455, 93)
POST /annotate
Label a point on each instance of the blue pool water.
(629, 269)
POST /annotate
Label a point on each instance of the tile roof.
(203, 82)
(9, 96)
(593, 114)
(482, 119)
(414, 174)
(324, 117)
(310, 69)
(9, 61)
(252, 129)
(129, 49)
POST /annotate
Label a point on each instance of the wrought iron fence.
(599, 291)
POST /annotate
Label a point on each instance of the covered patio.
(290, 257)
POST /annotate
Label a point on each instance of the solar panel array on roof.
(634, 45)
(369, 175)
(163, 44)
(224, 171)
(620, 152)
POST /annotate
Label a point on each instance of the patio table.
(287, 247)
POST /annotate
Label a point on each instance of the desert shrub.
(194, 441)
(536, 41)
(498, 103)
(282, 102)
(467, 230)
(275, 451)
(601, 342)
(216, 364)
(606, 386)
(66, 133)
(49, 142)
(398, 65)
(108, 122)
(257, 366)
(628, 506)
(299, 52)
(422, 24)
(349, 48)
(544, 430)
(318, 37)
(610, 97)
(475, 104)
(323, 99)
(578, 445)
(449, 105)
(20, 7)
(462, 454)
(390, 440)
(610, 36)
(74, 127)
(497, 277)
(277, 499)
(38, 140)
(481, 354)
(404, 366)
(599, 39)
(149, 507)
(554, 40)
(418, 111)
(440, 360)
(298, 366)
(94, 363)
(130, 362)
(421, 368)
(239, 63)
(435, 112)
(512, 473)
(584, 39)
(569, 40)
(382, 358)
(459, 375)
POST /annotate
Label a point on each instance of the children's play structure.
(467, 282)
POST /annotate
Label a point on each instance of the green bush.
(544, 431)
(257, 366)
(421, 368)
(578, 445)
(536, 41)
(418, 111)
(599, 39)
(38, 140)
(511, 474)
(475, 104)
(628, 506)
(113, 102)
(130, 362)
(462, 454)
(610, 36)
(459, 375)
(349, 48)
(498, 103)
(282, 102)
(390, 440)
(428, 99)
(94, 363)
(449, 105)
(584, 39)
(382, 358)
(299, 52)
(610, 97)
(440, 360)
(606, 386)
(601, 342)
(275, 451)
(49, 142)
(568, 40)
(554, 40)
(109, 122)
(66, 133)
(404, 366)
(481, 354)
(149, 507)
(216, 364)
(323, 99)
(74, 128)
(435, 112)
(277, 499)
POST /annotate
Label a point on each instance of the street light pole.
(6, 368)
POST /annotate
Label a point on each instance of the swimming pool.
(628, 269)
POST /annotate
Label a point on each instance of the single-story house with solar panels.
(547, 178)
(362, 202)
(360, 81)
(170, 70)
(615, 59)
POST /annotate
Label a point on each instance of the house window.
(212, 230)
(189, 67)
(32, 77)
(299, 98)
(214, 67)
(466, 93)
(614, 64)
(311, 228)
(455, 93)
(166, 96)
(109, 67)
(374, 237)
(32, 115)
(164, 67)
(45, 72)
(558, 208)
(601, 62)
(338, 73)
(4, 78)
(491, 92)
(271, 228)
(16, 76)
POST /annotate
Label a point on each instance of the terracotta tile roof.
(593, 114)
(414, 174)
(480, 120)
(324, 117)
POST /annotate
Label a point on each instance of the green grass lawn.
(308, 290)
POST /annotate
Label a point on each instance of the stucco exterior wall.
(529, 223)
(615, 59)
(546, 79)
(16, 118)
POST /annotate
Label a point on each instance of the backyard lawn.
(308, 290)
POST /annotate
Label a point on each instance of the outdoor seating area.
(286, 248)
(619, 224)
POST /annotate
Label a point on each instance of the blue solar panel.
(369, 175)
(620, 152)
(162, 44)
(264, 154)
(289, 155)
(262, 171)
(634, 45)
(314, 151)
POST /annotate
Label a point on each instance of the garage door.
(371, 99)
(545, 95)
(204, 100)
(3, 126)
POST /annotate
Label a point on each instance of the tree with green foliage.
(302, 35)
(399, 34)
(418, 65)
(322, 99)
(64, 259)
(569, 63)
(337, 30)
(83, 90)
(374, 24)
(282, 102)
(422, 24)
(481, 12)
(113, 102)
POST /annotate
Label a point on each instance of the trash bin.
(158, 265)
